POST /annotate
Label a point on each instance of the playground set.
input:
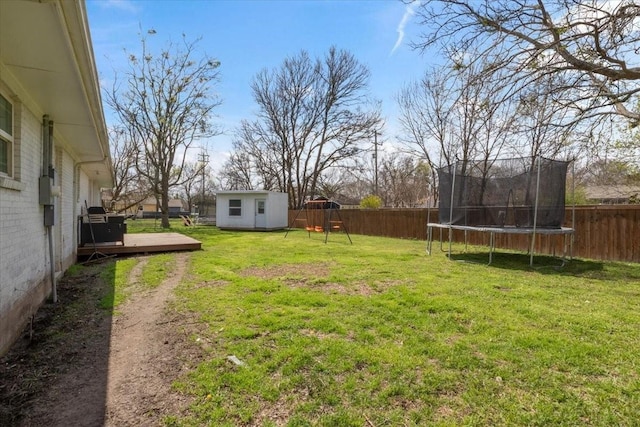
(320, 216)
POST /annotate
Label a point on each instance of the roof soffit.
(41, 46)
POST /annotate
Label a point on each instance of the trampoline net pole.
(453, 188)
(535, 212)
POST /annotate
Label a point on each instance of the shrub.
(371, 202)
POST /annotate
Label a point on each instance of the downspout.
(47, 177)
(52, 267)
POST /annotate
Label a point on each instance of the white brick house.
(48, 87)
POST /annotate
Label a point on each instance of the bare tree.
(190, 188)
(591, 46)
(543, 127)
(313, 115)
(166, 105)
(129, 189)
(255, 160)
(349, 184)
(457, 114)
(610, 172)
(403, 181)
(237, 172)
(612, 157)
(426, 108)
(483, 117)
(332, 182)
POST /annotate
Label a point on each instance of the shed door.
(261, 216)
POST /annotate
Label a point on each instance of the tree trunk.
(165, 203)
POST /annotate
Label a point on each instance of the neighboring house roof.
(58, 75)
(346, 200)
(242, 192)
(611, 192)
(173, 203)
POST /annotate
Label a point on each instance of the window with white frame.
(235, 207)
(6, 136)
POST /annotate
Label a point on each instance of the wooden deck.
(143, 243)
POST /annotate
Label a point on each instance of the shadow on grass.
(543, 264)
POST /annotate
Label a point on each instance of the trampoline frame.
(566, 232)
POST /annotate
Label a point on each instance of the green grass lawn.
(379, 333)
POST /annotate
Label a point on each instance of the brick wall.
(66, 233)
(23, 244)
(24, 248)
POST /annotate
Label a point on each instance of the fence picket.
(602, 232)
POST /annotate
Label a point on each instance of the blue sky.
(247, 36)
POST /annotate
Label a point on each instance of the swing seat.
(303, 224)
(336, 225)
(319, 228)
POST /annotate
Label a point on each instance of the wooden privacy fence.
(602, 232)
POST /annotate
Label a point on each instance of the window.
(235, 207)
(6, 136)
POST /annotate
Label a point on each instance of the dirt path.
(137, 384)
(109, 369)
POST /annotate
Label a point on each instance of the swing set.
(321, 216)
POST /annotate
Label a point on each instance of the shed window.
(6, 136)
(235, 207)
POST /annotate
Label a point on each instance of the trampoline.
(506, 196)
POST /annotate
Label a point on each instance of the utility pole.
(375, 160)
(203, 157)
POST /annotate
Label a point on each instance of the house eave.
(46, 52)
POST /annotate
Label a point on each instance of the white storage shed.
(251, 210)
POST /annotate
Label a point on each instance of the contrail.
(126, 5)
(408, 13)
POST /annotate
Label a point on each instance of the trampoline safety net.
(503, 193)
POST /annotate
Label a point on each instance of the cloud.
(408, 13)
